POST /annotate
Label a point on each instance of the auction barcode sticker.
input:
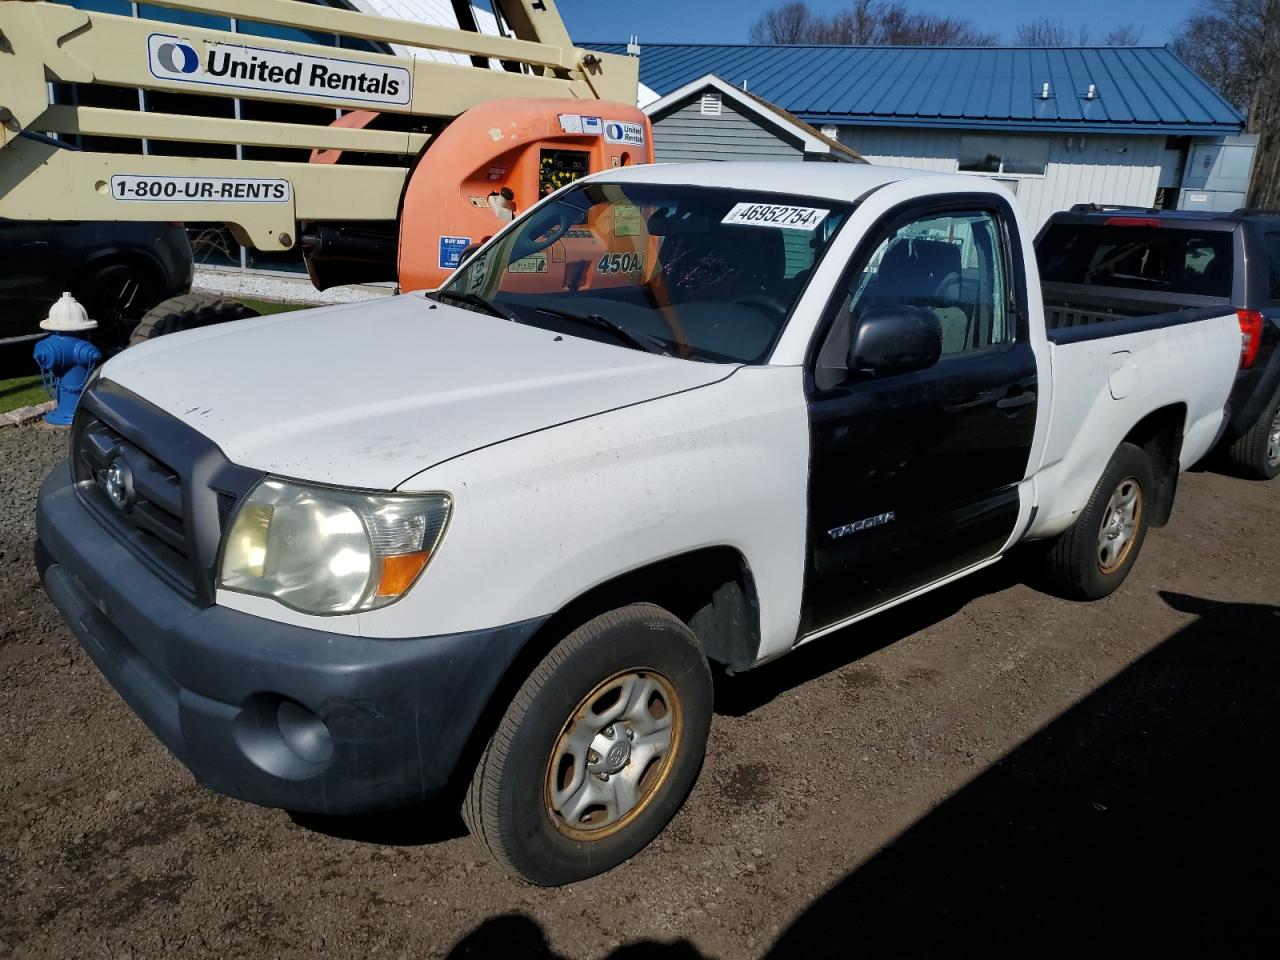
(776, 215)
(128, 186)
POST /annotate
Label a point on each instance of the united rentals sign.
(276, 71)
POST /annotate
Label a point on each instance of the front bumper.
(267, 712)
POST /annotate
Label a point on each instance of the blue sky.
(729, 20)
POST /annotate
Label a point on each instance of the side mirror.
(893, 339)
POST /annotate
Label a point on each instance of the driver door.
(914, 476)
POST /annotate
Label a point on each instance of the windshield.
(695, 272)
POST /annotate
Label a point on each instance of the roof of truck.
(834, 181)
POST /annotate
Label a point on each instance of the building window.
(711, 105)
(1004, 155)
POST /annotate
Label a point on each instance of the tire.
(636, 672)
(1256, 454)
(1081, 563)
(118, 297)
(188, 312)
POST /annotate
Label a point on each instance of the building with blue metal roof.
(1059, 125)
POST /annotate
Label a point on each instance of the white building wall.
(1081, 168)
(437, 13)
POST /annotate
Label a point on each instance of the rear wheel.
(188, 312)
(1257, 453)
(598, 749)
(1092, 558)
(118, 297)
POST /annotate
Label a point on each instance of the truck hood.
(369, 394)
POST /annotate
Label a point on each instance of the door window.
(952, 264)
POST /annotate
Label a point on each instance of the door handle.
(36, 243)
(1013, 401)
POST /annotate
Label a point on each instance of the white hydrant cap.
(68, 316)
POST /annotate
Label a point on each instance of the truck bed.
(1076, 312)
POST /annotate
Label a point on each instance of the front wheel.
(597, 751)
(1092, 558)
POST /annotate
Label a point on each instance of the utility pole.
(1264, 116)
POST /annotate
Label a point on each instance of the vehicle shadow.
(517, 935)
(433, 821)
(1139, 822)
(743, 693)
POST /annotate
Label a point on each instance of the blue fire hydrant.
(64, 358)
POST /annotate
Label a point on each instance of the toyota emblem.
(118, 482)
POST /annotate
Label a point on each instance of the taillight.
(1250, 336)
(1131, 222)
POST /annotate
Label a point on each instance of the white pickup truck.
(494, 535)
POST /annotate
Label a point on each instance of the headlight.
(328, 551)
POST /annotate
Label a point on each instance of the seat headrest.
(916, 268)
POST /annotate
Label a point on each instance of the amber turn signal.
(398, 573)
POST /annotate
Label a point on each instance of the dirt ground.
(988, 771)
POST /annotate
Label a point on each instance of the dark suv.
(1128, 256)
(118, 271)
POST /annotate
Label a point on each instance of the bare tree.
(1223, 43)
(1046, 32)
(1128, 35)
(866, 22)
(1264, 117)
(787, 23)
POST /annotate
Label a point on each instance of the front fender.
(543, 518)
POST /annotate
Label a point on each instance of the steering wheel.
(762, 301)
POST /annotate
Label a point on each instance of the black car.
(1129, 256)
(118, 271)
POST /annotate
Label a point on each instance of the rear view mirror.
(895, 339)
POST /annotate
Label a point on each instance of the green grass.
(26, 390)
(265, 307)
(21, 392)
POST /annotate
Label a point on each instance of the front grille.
(163, 489)
(150, 519)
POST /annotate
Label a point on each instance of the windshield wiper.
(475, 300)
(638, 340)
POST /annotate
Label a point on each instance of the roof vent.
(1045, 93)
(711, 106)
(1092, 93)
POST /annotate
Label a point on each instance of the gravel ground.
(287, 289)
(987, 771)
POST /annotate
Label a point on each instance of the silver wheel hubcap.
(1273, 442)
(614, 752)
(1119, 525)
